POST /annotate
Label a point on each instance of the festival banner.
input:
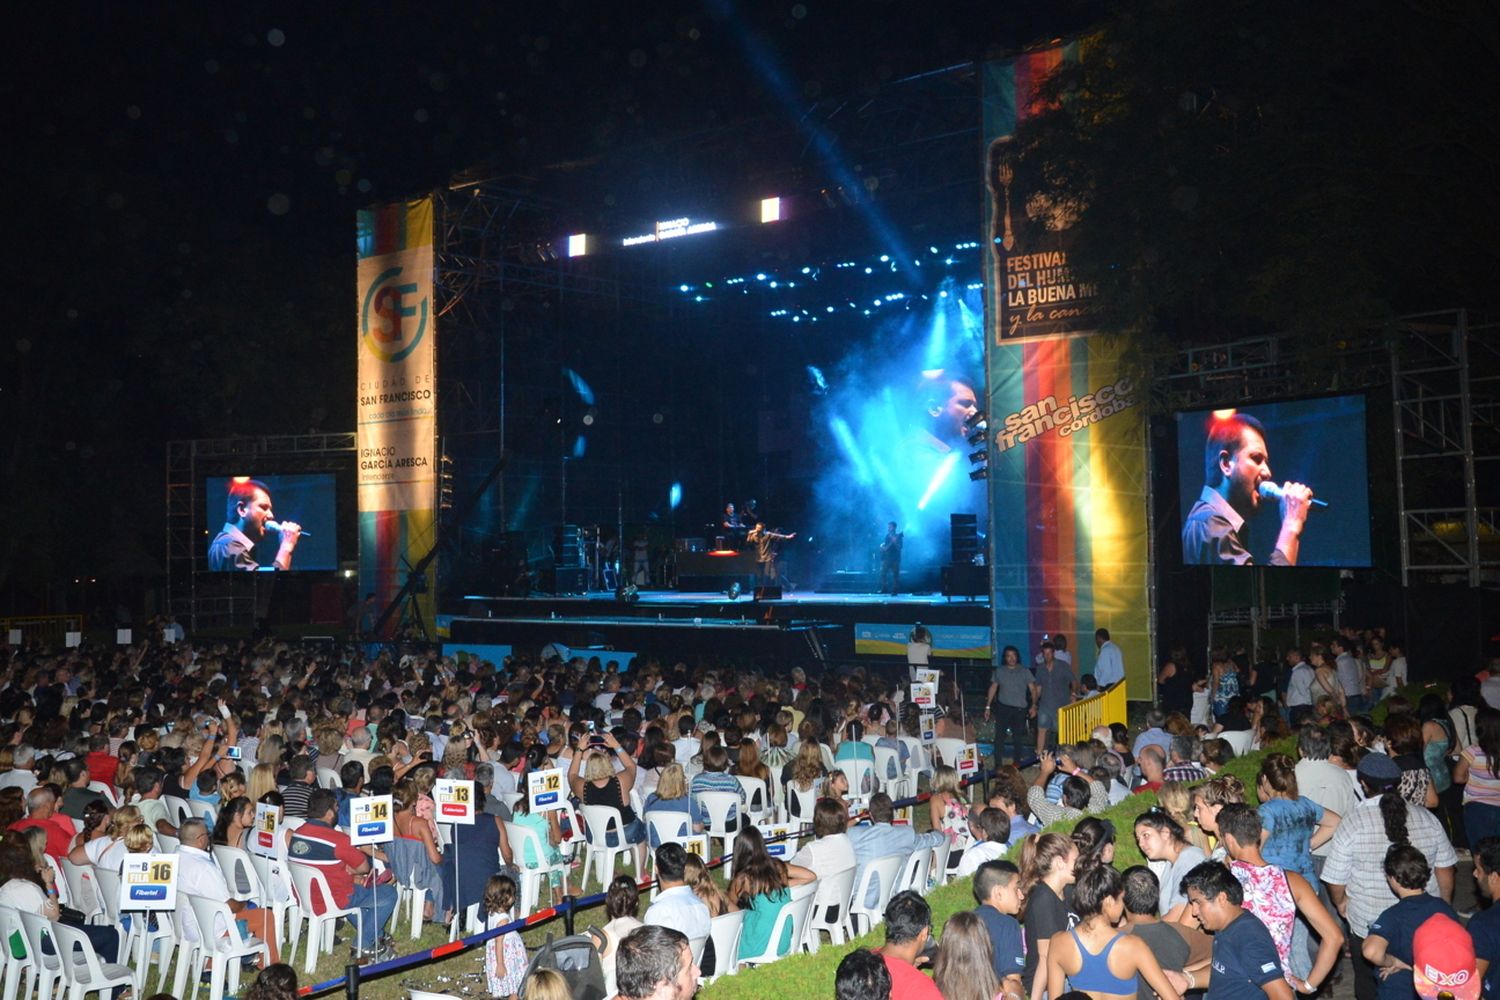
(1067, 469)
(396, 408)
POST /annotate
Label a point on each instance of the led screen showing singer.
(271, 523)
(1281, 484)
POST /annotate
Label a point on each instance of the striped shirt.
(1360, 839)
(1483, 787)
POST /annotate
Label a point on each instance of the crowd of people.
(1353, 846)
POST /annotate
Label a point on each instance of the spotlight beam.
(938, 478)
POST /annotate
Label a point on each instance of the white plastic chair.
(883, 873)
(79, 880)
(800, 804)
(204, 811)
(329, 778)
(108, 884)
(915, 872)
(598, 822)
(833, 893)
(48, 968)
(82, 969)
(939, 864)
(424, 995)
(724, 932)
(472, 924)
(319, 925)
(668, 826)
(14, 968)
(718, 806)
(177, 810)
(532, 876)
(509, 799)
(106, 791)
(918, 762)
(948, 750)
(793, 914)
(225, 950)
(1239, 741)
(277, 892)
(757, 798)
(168, 843)
(861, 773)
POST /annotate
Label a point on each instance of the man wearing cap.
(1055, 687)
(1391, 944)
(1358, 887)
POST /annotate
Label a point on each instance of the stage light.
(674, 496)
(684, 288)
(979, 474)
(1224, 414)
(578, 244)
(974, 420)
(980, 455)
(770, 209)
(733, 593)
(627, 594)
(761, 276)
(978, 436)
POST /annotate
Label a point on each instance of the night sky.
(186, 179)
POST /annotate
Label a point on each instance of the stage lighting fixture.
(733, 593)
(974, 419)
(578, 244)
(626, 594)
(770, 209)
(980, 455)
(979, 474)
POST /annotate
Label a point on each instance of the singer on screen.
(247, 517)
(1237, 483)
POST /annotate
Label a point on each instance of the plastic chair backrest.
(109, 893)
(835, 890)
(800, 803)
(887, 764)
(757, 798)
(794, 913)
(75, 944)
(204, 811)
(237, 867)
(520, 838)
(667, 826)
(168, 843)
(883, 873)
(305, 879)
(34, 927)
(329, 778)
(718, 806)
(938, 870)
(80, 881)
(177, 809)
(599, 821)
(106, 791)
(10, 924)
(949, 749)
(914, 873)
(211, 915)
(724, 931)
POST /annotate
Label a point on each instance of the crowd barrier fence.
(1076, 721)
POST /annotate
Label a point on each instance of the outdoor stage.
(799, 627)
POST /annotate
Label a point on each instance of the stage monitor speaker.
(568, 580)
(963, 534)
(567, 545)
(965, 580)
(768, 593)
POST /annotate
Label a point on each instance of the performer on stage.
(1236, 463)
(766, 551)
(247, 515)
(732, 527)
(890, 558)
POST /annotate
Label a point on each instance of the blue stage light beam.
(763, 59)
(938, 478)
(937, 339)
(674, 496)
(580, 445)
(819, 382)
(845, 437)
(580, 386)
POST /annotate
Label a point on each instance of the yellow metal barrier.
(1076, 721)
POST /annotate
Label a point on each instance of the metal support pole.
(1466, 415)
(351, 981)
(568, 902)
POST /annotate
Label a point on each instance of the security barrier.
(1076, 721)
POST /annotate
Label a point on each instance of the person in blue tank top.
(1093, 956)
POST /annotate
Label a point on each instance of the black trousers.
(1366, 985)
(1012, 721)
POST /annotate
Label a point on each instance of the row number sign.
(454, 801)
(370, 820)
(545, 789)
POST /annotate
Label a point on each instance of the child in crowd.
(504, 956)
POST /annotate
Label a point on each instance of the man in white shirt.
(1109, 665)
(1322, 781)
(21, 776)
(676, 905)
(687, 741)
(1300, 679)
(359, 742)
(198, 874)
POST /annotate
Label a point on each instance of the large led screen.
(1280, 484)
(265, 522)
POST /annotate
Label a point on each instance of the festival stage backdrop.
(1320, 442)
(1067, 424)
(397, 404)
(307, 499)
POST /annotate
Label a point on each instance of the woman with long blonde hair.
(1177, 800)
(107, 847)
(262, 780)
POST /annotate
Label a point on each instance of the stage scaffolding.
(202, 600)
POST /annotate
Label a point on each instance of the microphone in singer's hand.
(1271, 491)
(276, 526)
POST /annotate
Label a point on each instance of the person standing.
(764, 540)
(1054, 687)
(1005, 703)
(1109, 664)
(1351, 675)
(1299, 685)
(1389, 947)
(890, 558)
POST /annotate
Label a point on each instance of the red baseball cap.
(1443, 960)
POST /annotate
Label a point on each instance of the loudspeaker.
(963, 535)
(768, 593)
(567, 545)
(567, 580)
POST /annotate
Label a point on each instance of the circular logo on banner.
(390, 328)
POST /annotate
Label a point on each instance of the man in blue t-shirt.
(997, 890)
(1484, 926)
(1244, 963)
(1388, 946)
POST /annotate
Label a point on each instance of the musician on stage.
(890, 558)
(764, 540)
(732, 527)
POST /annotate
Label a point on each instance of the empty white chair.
(757, 798)
(80, 882)
(14, 968)
(882, 873)
(524, 842)
(718, 806)
(225, 949)
(800, 804)
(948, 750)
(832, 895)
(48, 968)
(600, 822)
(724, 932)
(939, 870)
(82, 969)
(794, 916)
(862, 781)
(319, 925)
(914, 873)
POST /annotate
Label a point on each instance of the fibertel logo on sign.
(387, 338)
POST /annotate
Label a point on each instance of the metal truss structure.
(199, 599)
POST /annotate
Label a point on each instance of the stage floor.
(810, 598)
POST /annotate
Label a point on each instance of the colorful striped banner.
(1067, 479)
(396, 407)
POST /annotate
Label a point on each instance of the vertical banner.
(1068, 470)
(396, 412)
